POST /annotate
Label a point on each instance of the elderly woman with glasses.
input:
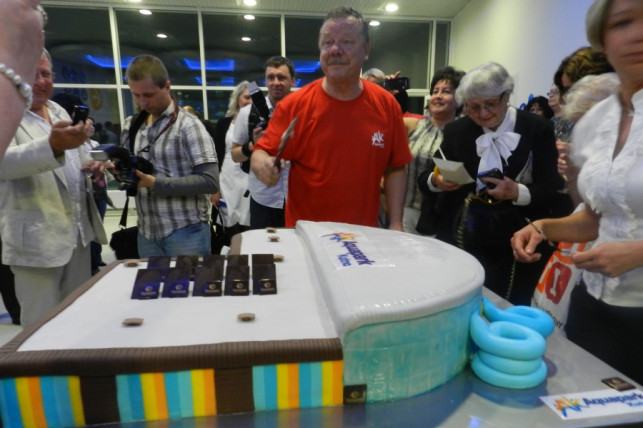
(481, 216)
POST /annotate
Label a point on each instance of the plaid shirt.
(174, 149)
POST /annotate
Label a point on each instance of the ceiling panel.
(417, 9)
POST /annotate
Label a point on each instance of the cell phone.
(79, 114)
(398, 83)
(492, 173)
(99, 155)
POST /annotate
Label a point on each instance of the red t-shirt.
(339, 152)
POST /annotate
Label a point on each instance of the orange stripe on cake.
(30, 399)
(332, 383)
(293, 386)
(154, 404)
(287, 386)
(209, 392)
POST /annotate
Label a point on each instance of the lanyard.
(169, 123)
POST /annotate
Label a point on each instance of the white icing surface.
(410, 276)
(94, 320)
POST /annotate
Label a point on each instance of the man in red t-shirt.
(349, 133)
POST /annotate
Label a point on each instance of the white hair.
(588, 91)
(485, 81)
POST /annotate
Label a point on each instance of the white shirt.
(612, 187)
(270, 196)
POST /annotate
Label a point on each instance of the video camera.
(259, 112)
(125, 165)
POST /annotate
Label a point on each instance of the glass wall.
(208, 53)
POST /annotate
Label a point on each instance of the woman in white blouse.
(606, 310)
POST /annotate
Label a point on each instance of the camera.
(397, 84)
(492, 173)
(79, 114)
(125, 165)
(257, 118)
(259, 112)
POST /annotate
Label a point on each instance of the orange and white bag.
(557, 281)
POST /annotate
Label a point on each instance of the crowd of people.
(342, 148)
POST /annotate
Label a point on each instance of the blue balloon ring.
(506, 339)
(506, 380)
(533, 318)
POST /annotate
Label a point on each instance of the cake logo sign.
(351, 252)
(595, 403)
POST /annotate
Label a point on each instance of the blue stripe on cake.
(9, 404)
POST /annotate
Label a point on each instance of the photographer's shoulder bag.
(124, 242)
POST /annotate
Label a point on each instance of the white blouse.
(613, 187)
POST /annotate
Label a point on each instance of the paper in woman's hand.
(453, 171)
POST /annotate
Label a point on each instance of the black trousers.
(262, 216)
(612, 333)
(8, 292)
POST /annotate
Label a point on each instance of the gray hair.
(344, 12)
(47, 55)
(595, 23)
(233, 105)
(485, 81)
(374, 72)
(588, 91)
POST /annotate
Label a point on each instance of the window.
(179, 51)
(230, 60)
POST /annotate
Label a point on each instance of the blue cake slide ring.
(533, 318)
(506, 380)
(506, 339)
(509, 365)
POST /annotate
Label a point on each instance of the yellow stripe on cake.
(203, 392)
(30, 401)
(288, 386)
(154, 402)
(332, 382)
(75, 397)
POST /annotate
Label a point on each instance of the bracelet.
(24, 89)
(245, 149)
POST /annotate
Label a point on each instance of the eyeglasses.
(490, 105)
(553, 92)
(47, 75)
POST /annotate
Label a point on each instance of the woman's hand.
(566, 167)
(524, 243)
(215, 199)
(437, 180)
(505, 188)
(611, 259)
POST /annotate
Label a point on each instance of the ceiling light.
(391, 7)
(246, 39)
(161, 36)
(135, 1)
(250, 3)
(374, 23)
(145, 12)
(249, 17)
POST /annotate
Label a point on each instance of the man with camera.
(266, 202)
(349, 134)
(180, 163)
(48, 216)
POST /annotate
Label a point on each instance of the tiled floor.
(112, 218)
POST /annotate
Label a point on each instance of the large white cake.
(361, 314)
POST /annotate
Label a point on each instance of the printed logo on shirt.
(377, 140)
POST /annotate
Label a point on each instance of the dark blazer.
(459, 144)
